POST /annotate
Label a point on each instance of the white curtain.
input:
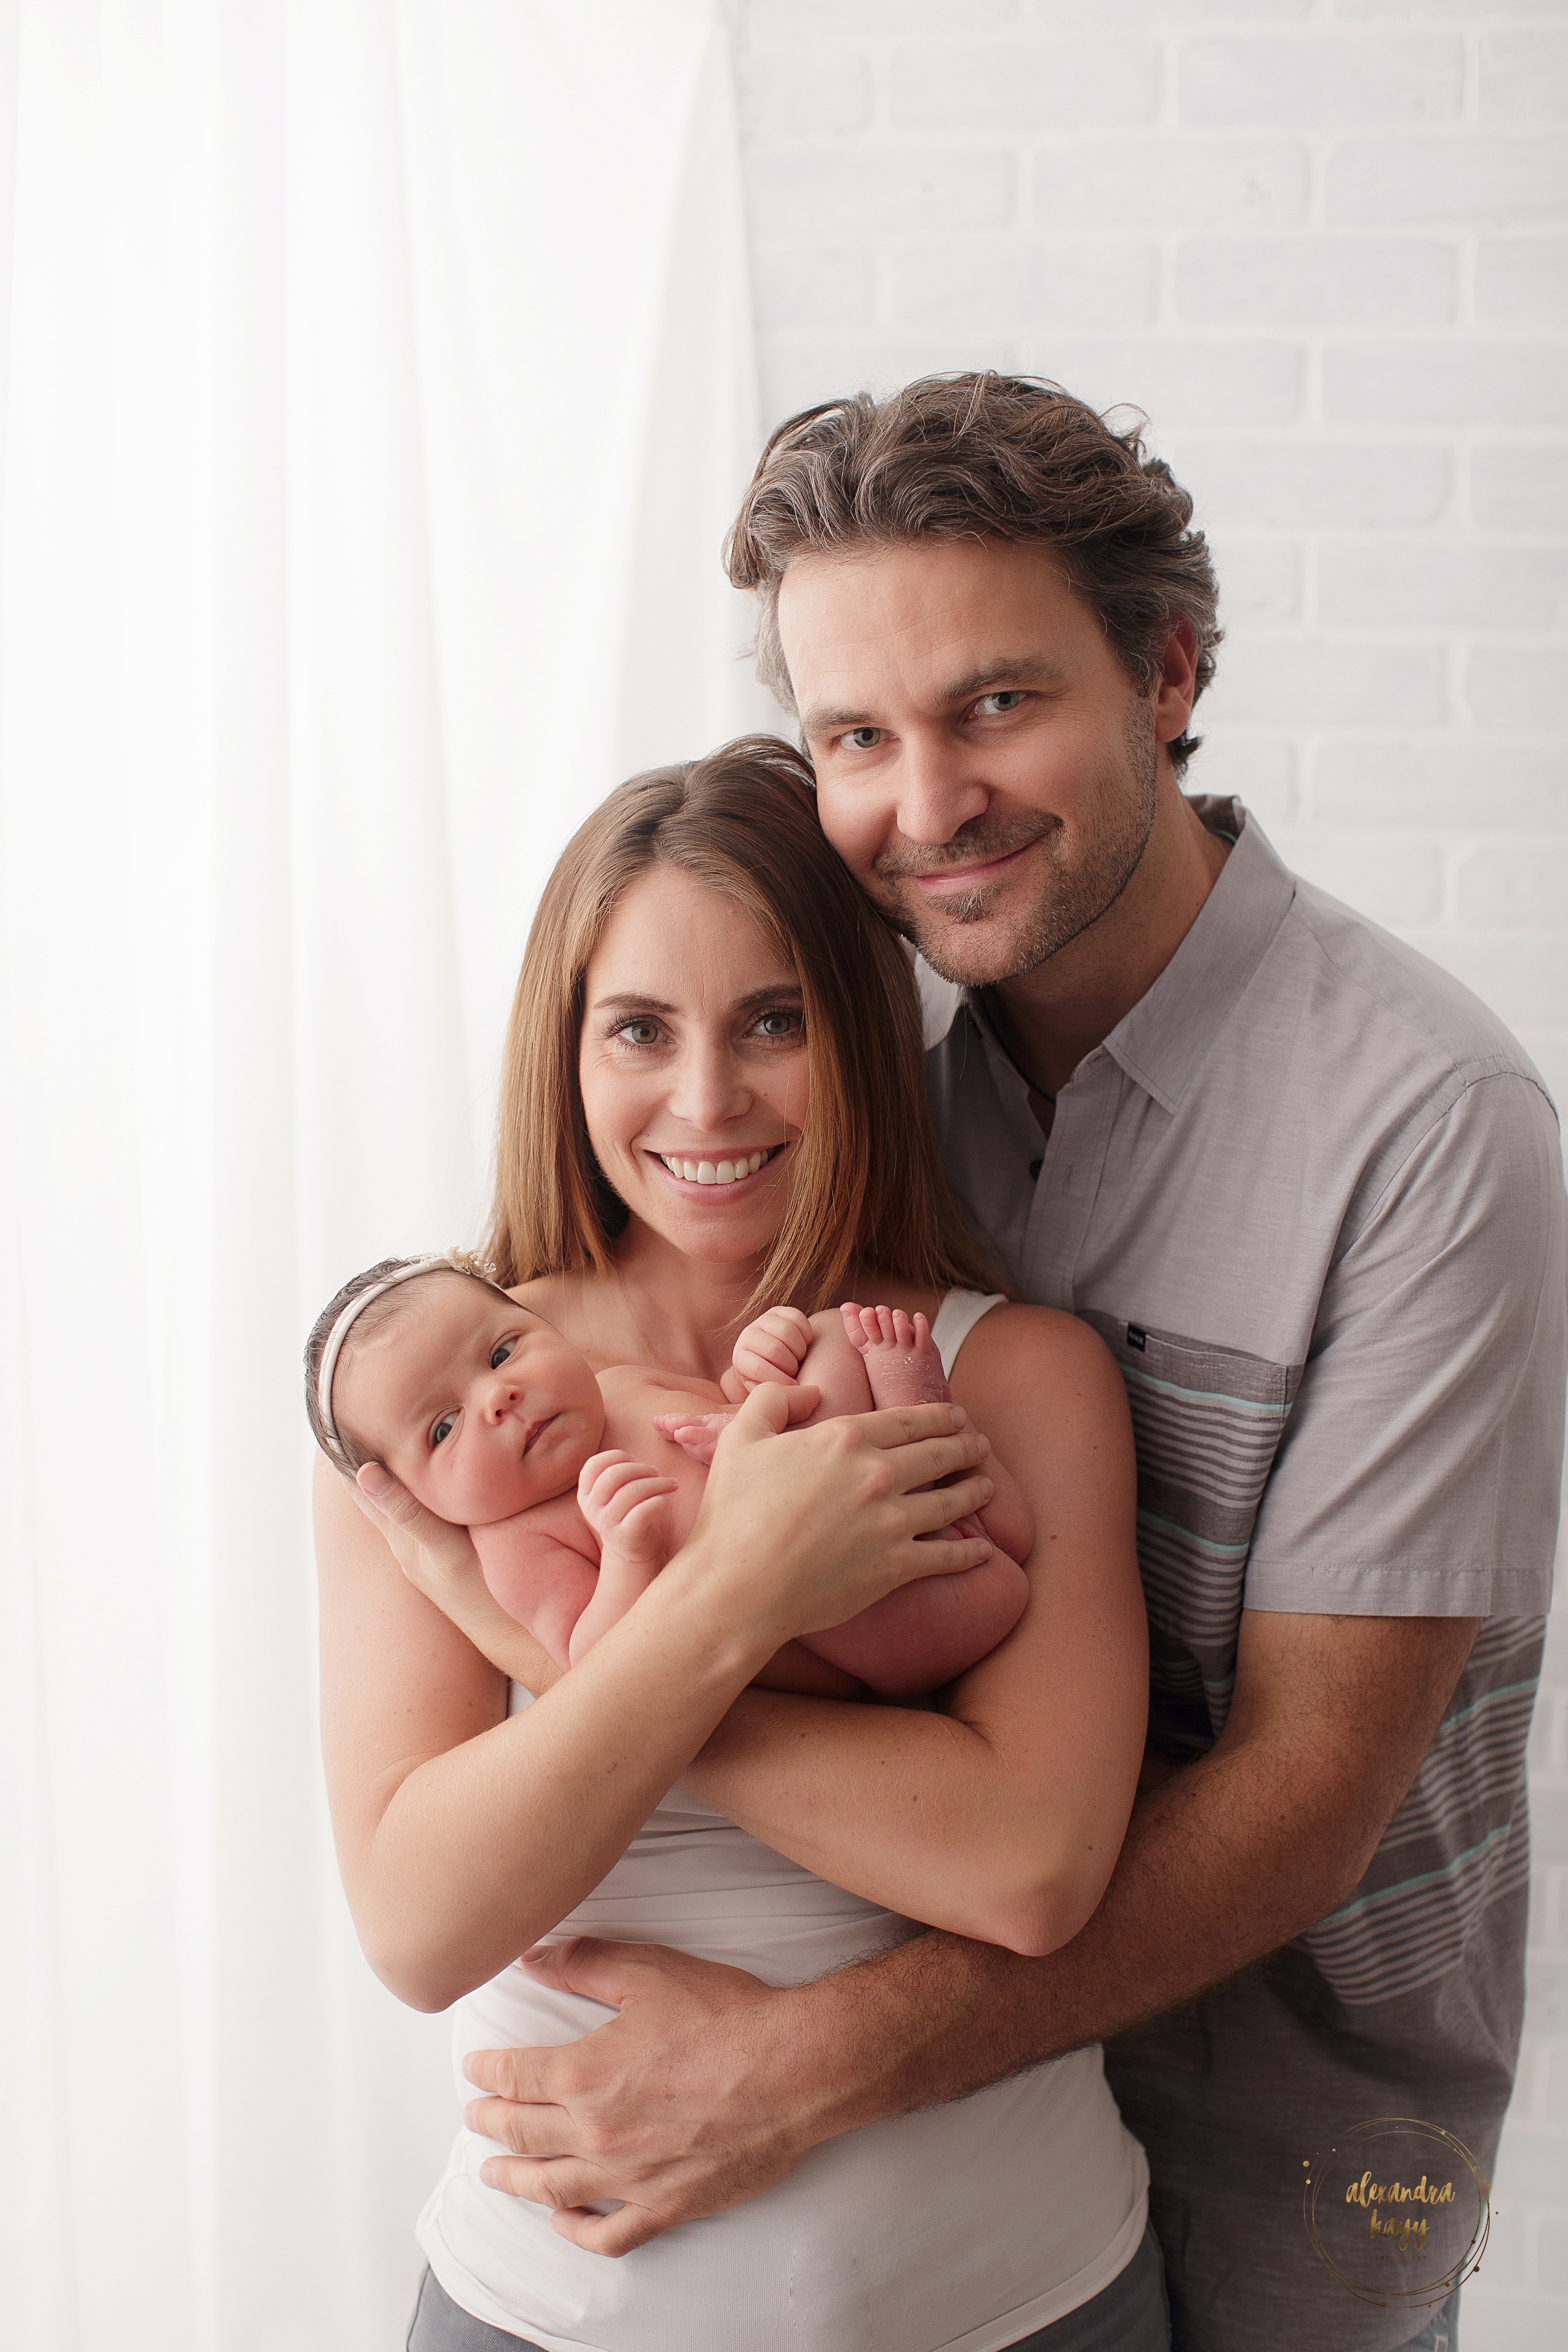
(375, 385)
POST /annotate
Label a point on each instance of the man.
(1309, 1193)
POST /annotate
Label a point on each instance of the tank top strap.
(956, 1317)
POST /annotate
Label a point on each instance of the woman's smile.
(720, 1165)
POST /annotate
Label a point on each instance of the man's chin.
(971, 955)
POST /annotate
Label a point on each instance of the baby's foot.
(902, 1364)
(696, 1434)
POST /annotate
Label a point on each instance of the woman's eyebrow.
(629, 1003)
(770, 995)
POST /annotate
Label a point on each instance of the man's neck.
(1049, 1018)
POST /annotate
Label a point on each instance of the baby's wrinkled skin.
(577, 1488)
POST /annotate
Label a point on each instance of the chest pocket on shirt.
(1207, 1422)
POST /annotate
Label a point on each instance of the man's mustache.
(974, 844)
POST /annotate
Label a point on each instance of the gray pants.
(1441, 2333)
(1128, 2315)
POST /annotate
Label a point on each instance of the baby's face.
(479, 1408)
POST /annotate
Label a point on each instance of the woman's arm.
(1000, 1817)
(463, 1835)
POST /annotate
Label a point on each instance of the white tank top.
(959, 2229)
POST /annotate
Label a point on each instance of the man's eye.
(500, 1354)
(996, 706)
(864, 738)
(443, 1429)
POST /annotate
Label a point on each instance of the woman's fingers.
(965, 1454)
(429, 1552)
(946, 1504)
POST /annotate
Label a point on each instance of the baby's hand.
(773, 1348)
(624, 1503)
(696, 1434)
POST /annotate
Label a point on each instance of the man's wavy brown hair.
(983, 456)
(867, 1186)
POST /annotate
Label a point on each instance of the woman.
(704, 983)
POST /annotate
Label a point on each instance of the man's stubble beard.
(1081, 897)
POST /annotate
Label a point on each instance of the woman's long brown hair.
(868, 1187)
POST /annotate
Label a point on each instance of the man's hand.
(613, 2114)
(710, 2085)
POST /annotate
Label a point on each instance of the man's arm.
(709, 2085)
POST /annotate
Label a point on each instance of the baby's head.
(479, 1407)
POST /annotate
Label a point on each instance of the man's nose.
(937, 790)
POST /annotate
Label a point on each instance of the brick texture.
(1325, 244)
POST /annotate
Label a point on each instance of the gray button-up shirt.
(1310, 1193)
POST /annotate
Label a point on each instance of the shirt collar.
(1162, 1042)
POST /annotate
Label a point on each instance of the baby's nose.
(504, 1395)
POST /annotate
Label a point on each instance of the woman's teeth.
(716, 1171)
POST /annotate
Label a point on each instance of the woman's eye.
(500, 1354)
(443, 1429)
(784, 1020)
(639, 1033)
(996, 706)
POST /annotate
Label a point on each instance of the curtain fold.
(375, 387)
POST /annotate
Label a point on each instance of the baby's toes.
(904, 1329)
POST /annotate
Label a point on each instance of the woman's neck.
(685, 1311)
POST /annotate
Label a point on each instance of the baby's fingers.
(602, 1475)
(765, 1360)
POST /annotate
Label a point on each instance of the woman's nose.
(710, 1089)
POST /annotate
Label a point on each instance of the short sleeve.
(1420, 1472)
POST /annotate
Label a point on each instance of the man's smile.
(945, 880)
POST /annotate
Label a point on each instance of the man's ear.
(1175, 689)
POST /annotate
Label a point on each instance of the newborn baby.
(577, 1488)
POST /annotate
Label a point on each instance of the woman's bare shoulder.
(1015, 1341)
(585, 1308)
(553, 1296)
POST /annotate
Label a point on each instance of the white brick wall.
(1322, 242)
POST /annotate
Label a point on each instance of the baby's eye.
(500, 1354)
(444, 1428)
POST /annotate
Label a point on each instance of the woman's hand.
(436, 1558)
(439, 1561)
(802, 1529)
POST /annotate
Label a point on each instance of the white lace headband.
(346, 1324)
